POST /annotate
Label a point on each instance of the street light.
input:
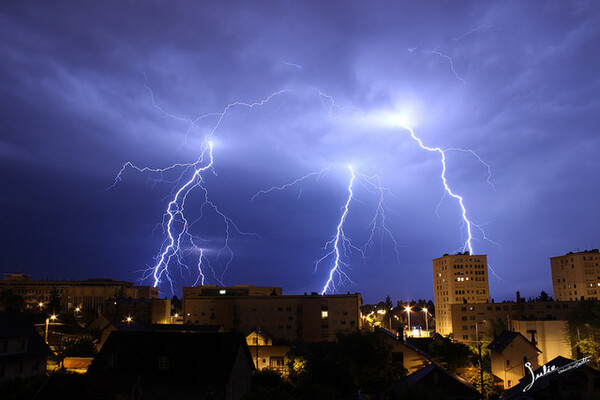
(52, 317)
(407, 309)
(426, 320)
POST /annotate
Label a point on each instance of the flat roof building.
(88, 295)
(312, 318)
(458, 278)
(576, 276)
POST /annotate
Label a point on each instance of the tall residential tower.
(576, 275)
(458, 278)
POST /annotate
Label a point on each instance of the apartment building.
(471, 319)
(576, 276)
(459, 278)
(309, 317)
(87, 295)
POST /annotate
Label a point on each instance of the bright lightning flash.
(175, 216)
(178, 241)
(340, 243)
(468, 245)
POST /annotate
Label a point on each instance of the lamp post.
(52, 317)
(479, 347)
(426, 320)
(407, 309)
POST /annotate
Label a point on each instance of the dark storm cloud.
(87, 86)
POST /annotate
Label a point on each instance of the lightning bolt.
(468, 245)
(373, 183)
(318, 174)
(175, 214)
(178, 241)
(472, 31)
(339, 244)
(450, 61)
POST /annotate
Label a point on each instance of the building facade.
(471, 319)
(548, 335)
(23, 353)
(312, 318)
(459, 278)
(509, 352)
(149, 311)
(87, 295)
(576, 276)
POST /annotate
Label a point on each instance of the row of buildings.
(529, 331)
(461, 285)
(88, 295)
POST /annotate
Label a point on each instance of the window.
(324, 314)
(163, 362)
(508, 363)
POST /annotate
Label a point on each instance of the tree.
(358, 361)
(543, 297)
(450, 355)
(583, 331)
(268, 384)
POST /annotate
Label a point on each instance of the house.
(435, 382)
(509, 352)
(178, 365)
(403, 352)
(265, 354)
(105, 326)
(561, 378)
(23, 352)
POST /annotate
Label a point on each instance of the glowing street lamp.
(407, 309)
(52, 317)
(41, 305)
(129, 319)
(426, 320)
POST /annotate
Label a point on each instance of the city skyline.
(290, 95)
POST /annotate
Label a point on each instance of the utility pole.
(481, 371)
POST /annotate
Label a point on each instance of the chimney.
(518, 297)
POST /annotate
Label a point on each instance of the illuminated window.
(324, 314)
(222, 291)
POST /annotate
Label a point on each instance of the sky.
(507, 90)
